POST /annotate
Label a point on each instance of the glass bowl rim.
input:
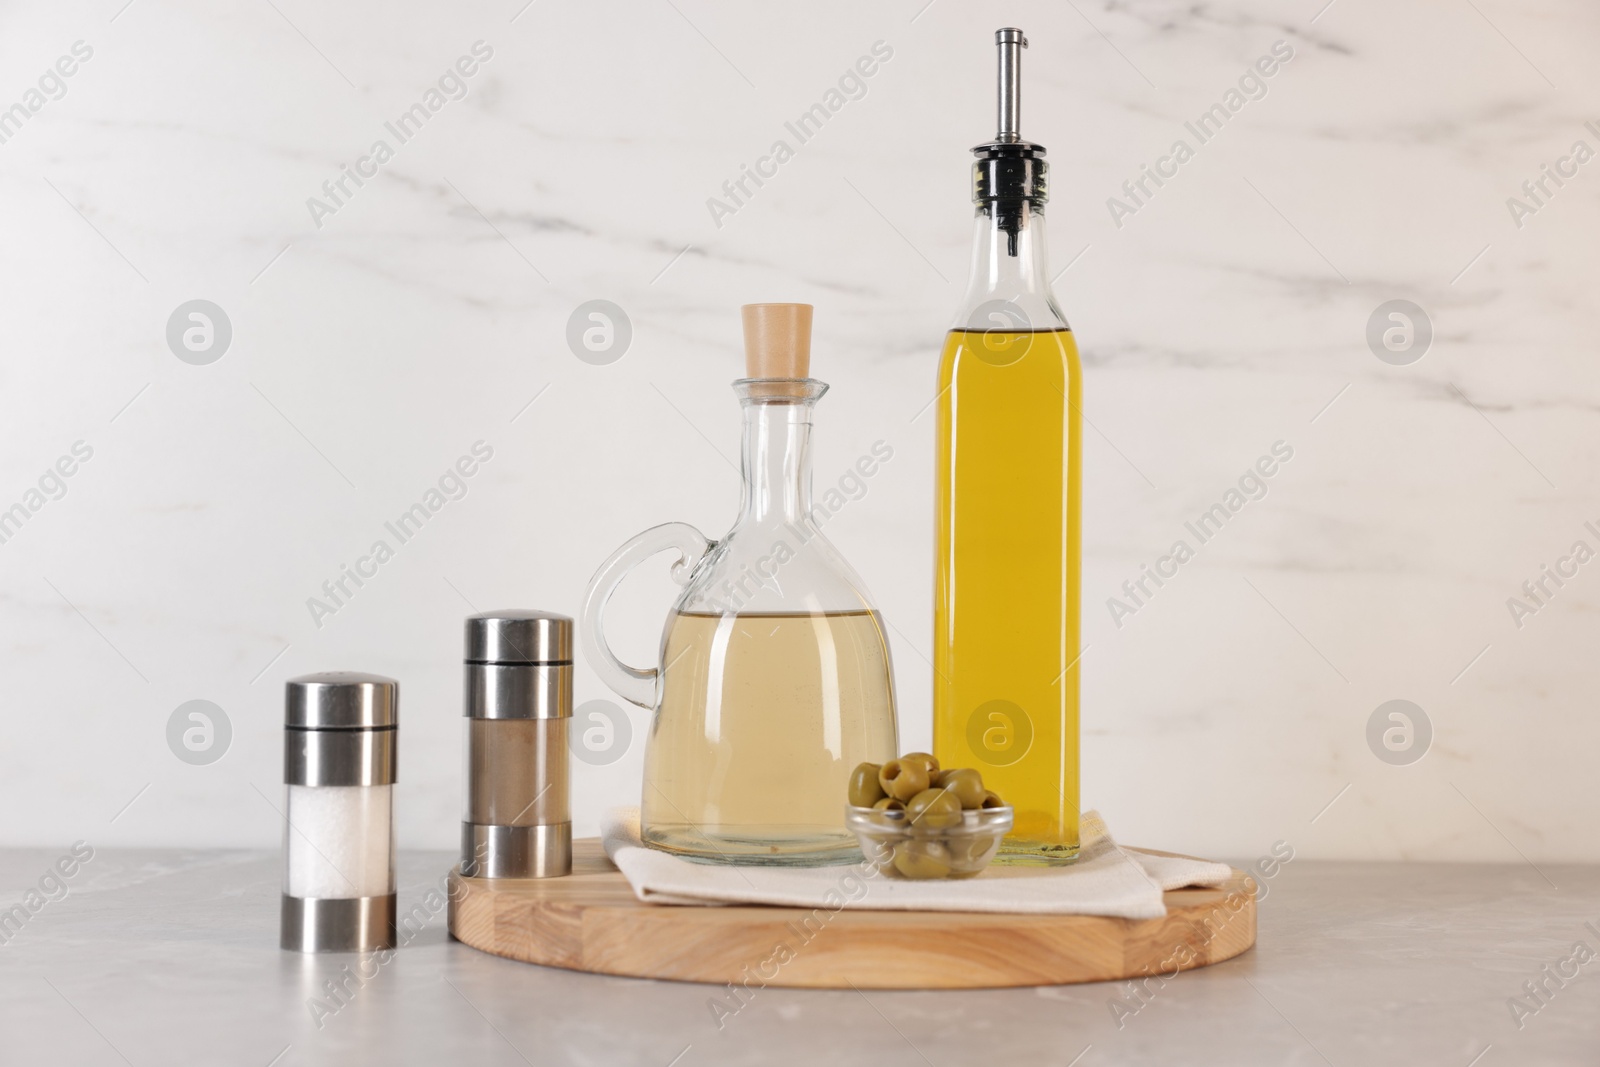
(973, 821)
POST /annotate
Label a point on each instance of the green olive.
(889, 804)
(924, 758)
(991, 799)
(970, 852)
(864, 788)
(934, 809)
(965, 783)
(903, 780)
(921, 859)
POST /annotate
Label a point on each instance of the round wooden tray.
(591, 921)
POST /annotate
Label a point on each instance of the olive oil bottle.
(1008, 547)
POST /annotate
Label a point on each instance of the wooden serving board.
(591, 921)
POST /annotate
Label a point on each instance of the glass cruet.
(1008, 541)
(775, 678)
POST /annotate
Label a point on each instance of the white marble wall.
(1228, 312)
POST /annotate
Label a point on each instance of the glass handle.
(631, 683)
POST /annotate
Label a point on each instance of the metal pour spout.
(1009, 179)
(1010, 41)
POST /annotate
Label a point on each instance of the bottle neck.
(1010, 280)
(776, 461)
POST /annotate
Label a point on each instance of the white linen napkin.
(1106, 880)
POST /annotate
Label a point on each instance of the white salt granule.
(338, 842)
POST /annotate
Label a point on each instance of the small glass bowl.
(901, 849)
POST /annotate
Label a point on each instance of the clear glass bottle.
(1008, 507)
(775, 677)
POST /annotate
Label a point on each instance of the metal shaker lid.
(516, 635)
(342, 700)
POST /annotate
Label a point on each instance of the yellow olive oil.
(762, 719)
(1007, 554)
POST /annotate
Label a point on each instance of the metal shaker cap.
(342, 700)
(516, 635)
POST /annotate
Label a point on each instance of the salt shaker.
(339, 764)
(518, 821)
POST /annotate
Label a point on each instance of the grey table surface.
(170, 957)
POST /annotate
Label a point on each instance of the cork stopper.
(777, 340)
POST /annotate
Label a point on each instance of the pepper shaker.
(339, 768)
(518, 821)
